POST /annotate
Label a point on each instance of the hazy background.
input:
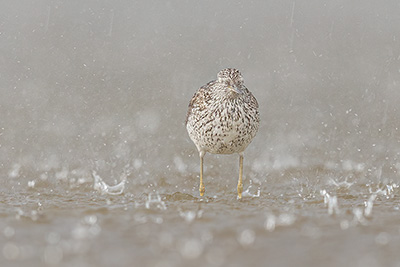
(92, 80)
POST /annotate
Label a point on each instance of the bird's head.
(232, 78)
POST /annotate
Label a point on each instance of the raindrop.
(382, 238)
(137, 163)
(369, 205)
(79, 232)
(15, 171)
(247, 237)
(159, 220)
(155, 199)
(191, 249)
(332, 202)
(179, 164)
(189, 216)
(270, 223)
(31, 184)
(345, 224)
(9, 232)
(34, 215)
(286, 219)
(53, 238)
(95, 230)
(358, 217)
(90, 219)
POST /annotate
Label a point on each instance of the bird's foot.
(202, 189)
(240, 190)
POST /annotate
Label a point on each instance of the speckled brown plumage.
(223, 118)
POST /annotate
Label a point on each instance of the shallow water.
(96, 168)
(308, 217)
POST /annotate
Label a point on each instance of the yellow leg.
(240, 182)
(202, 189)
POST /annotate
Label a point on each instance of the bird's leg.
(240, 182)
(202, 189)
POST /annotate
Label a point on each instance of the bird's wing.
(198, 101)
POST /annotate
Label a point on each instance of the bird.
(223, 118)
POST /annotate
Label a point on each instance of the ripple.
(179, 196)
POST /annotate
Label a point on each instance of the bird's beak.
(236, 89)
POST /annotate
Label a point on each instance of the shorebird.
(223, 118)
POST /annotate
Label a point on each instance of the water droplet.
(31, 184)
(247, 237)
(382, 238)
(191, 249)
(90, 219)
(270, 223)
(9, 232)
(53, 238)
(344, 224)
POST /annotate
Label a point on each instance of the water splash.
(33, 215)
(104, 188)
(343, 184)
(247, 193)
(180, 165)
(305, 190)
(62, 174)
(369, 205)
(386, 190)
(154, 199)
(349, 165)
(283, 219)
(362, 214)
(190, 216)
(87, 228)
(331, 202)
(31, 184)
(359, 217)
(270, 222)
(390, 188)
(15, 171)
